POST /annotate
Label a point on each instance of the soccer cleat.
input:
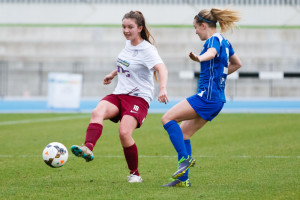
(134, 179)
(83, 151)
(183, 166)
(178, 183)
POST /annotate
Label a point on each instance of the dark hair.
(226, 18)
(140, 21)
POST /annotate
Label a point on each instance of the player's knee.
(165, 119)
(124, 133)
(96, 115)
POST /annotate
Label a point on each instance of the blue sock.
(176, 138)
(189, 150)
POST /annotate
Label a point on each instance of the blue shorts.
(206, 109)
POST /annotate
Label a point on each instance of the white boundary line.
(141, 156)
(28, 121)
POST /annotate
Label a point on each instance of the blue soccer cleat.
(183, 166)
(178, 183)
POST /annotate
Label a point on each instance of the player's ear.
(140, 28)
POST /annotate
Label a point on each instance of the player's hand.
(162, 96)
(107, 79)
(194, 57)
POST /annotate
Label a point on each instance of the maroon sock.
(131, 155)
(93, 133)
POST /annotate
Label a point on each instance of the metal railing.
(30, 79)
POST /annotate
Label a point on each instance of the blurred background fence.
(226, 2)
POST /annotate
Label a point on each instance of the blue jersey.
(213, 74)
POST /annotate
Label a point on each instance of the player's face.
(130, 29)
(200, 30)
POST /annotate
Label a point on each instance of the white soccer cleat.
(134, 179)
(83, 151)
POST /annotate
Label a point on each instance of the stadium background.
(84, 37)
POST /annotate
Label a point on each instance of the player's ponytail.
(226, 18)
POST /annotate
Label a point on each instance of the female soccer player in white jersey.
(136, 66)
(217, 60)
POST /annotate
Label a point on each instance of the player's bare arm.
(109, 77)
(234, 64)
(163, 79)
(208, 55)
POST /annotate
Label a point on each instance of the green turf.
(239, 156)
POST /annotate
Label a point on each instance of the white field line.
(162, 156)
(28, 121)
(110, 156)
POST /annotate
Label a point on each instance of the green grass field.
(239, 156)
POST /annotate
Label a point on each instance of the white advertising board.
(64, 90)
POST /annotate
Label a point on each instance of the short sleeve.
(214, 42)
(152, 57)
(231, 51)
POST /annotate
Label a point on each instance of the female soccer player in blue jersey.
(217, 60)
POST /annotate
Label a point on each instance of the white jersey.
(135, 70)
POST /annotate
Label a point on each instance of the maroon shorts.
(136, 107)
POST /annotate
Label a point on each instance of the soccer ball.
(55, 154)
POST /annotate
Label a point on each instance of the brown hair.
(226, 18)
(145, 33)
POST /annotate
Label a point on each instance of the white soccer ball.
(55, 154)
